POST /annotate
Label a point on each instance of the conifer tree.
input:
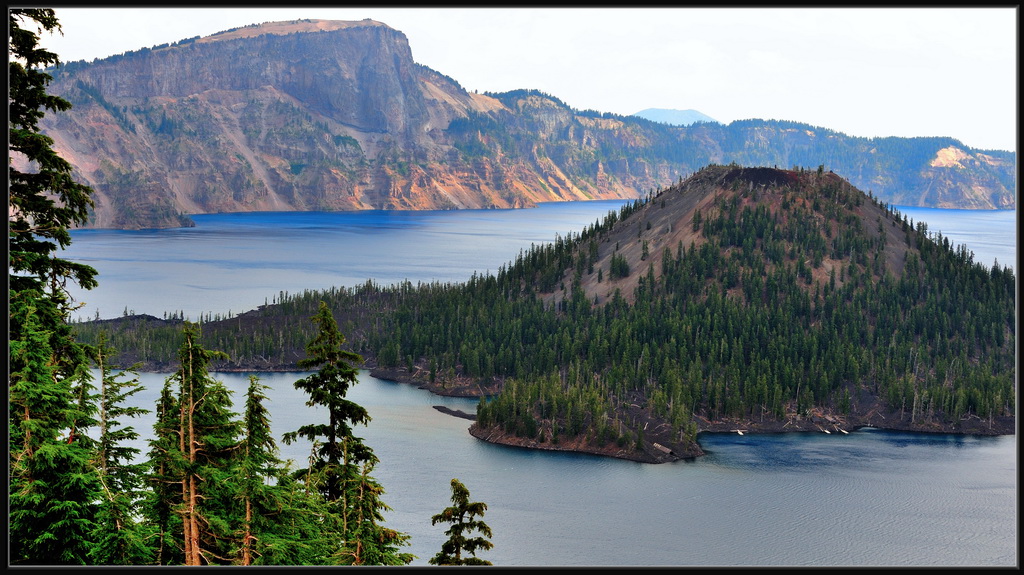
(53, 487)
(340, 459)
(165, 458)
(46, 201)
(120, 537)
(280, 520)
(461, 516)
(368, 542)
(294, 531)
(53, 483)
(258, 462)
(203, 463)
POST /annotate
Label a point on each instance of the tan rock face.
(309, 115)
(328, 115)
(949, 158)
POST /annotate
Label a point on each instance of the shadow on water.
(867, 448)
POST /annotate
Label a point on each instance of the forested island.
(739, 300)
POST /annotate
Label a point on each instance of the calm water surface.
(869, 498)
(236, 262)
(230, 263)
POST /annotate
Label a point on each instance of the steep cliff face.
(329, 115)
(289, 116)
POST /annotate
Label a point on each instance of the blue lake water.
(230, 263)
(236, 262)
(870, 498)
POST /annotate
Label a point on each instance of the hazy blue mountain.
(674, 117)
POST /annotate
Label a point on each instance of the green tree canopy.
(462, 515)
(340, 463)
(53, 485)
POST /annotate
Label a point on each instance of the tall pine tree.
(165, 458)
(53, 487)
(280, 518)
(121, 537)
(340, 460)
(198, 453)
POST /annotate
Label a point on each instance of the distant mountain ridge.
(674, 117)
(326, 115)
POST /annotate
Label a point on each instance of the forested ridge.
(741, 298)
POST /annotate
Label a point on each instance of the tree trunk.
(247, 536)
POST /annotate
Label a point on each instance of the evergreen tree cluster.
(212, 490)
(51, 485)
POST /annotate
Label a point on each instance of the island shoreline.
(661, 449)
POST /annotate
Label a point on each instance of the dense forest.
(750, 298)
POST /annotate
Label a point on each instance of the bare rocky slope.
(336, 115)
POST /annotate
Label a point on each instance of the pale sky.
(862, 71)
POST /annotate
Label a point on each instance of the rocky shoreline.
(499, 437)
(454, 387)
(660, 446)
(656, 452)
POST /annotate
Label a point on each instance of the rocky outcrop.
(332, 115)
(653, 452)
